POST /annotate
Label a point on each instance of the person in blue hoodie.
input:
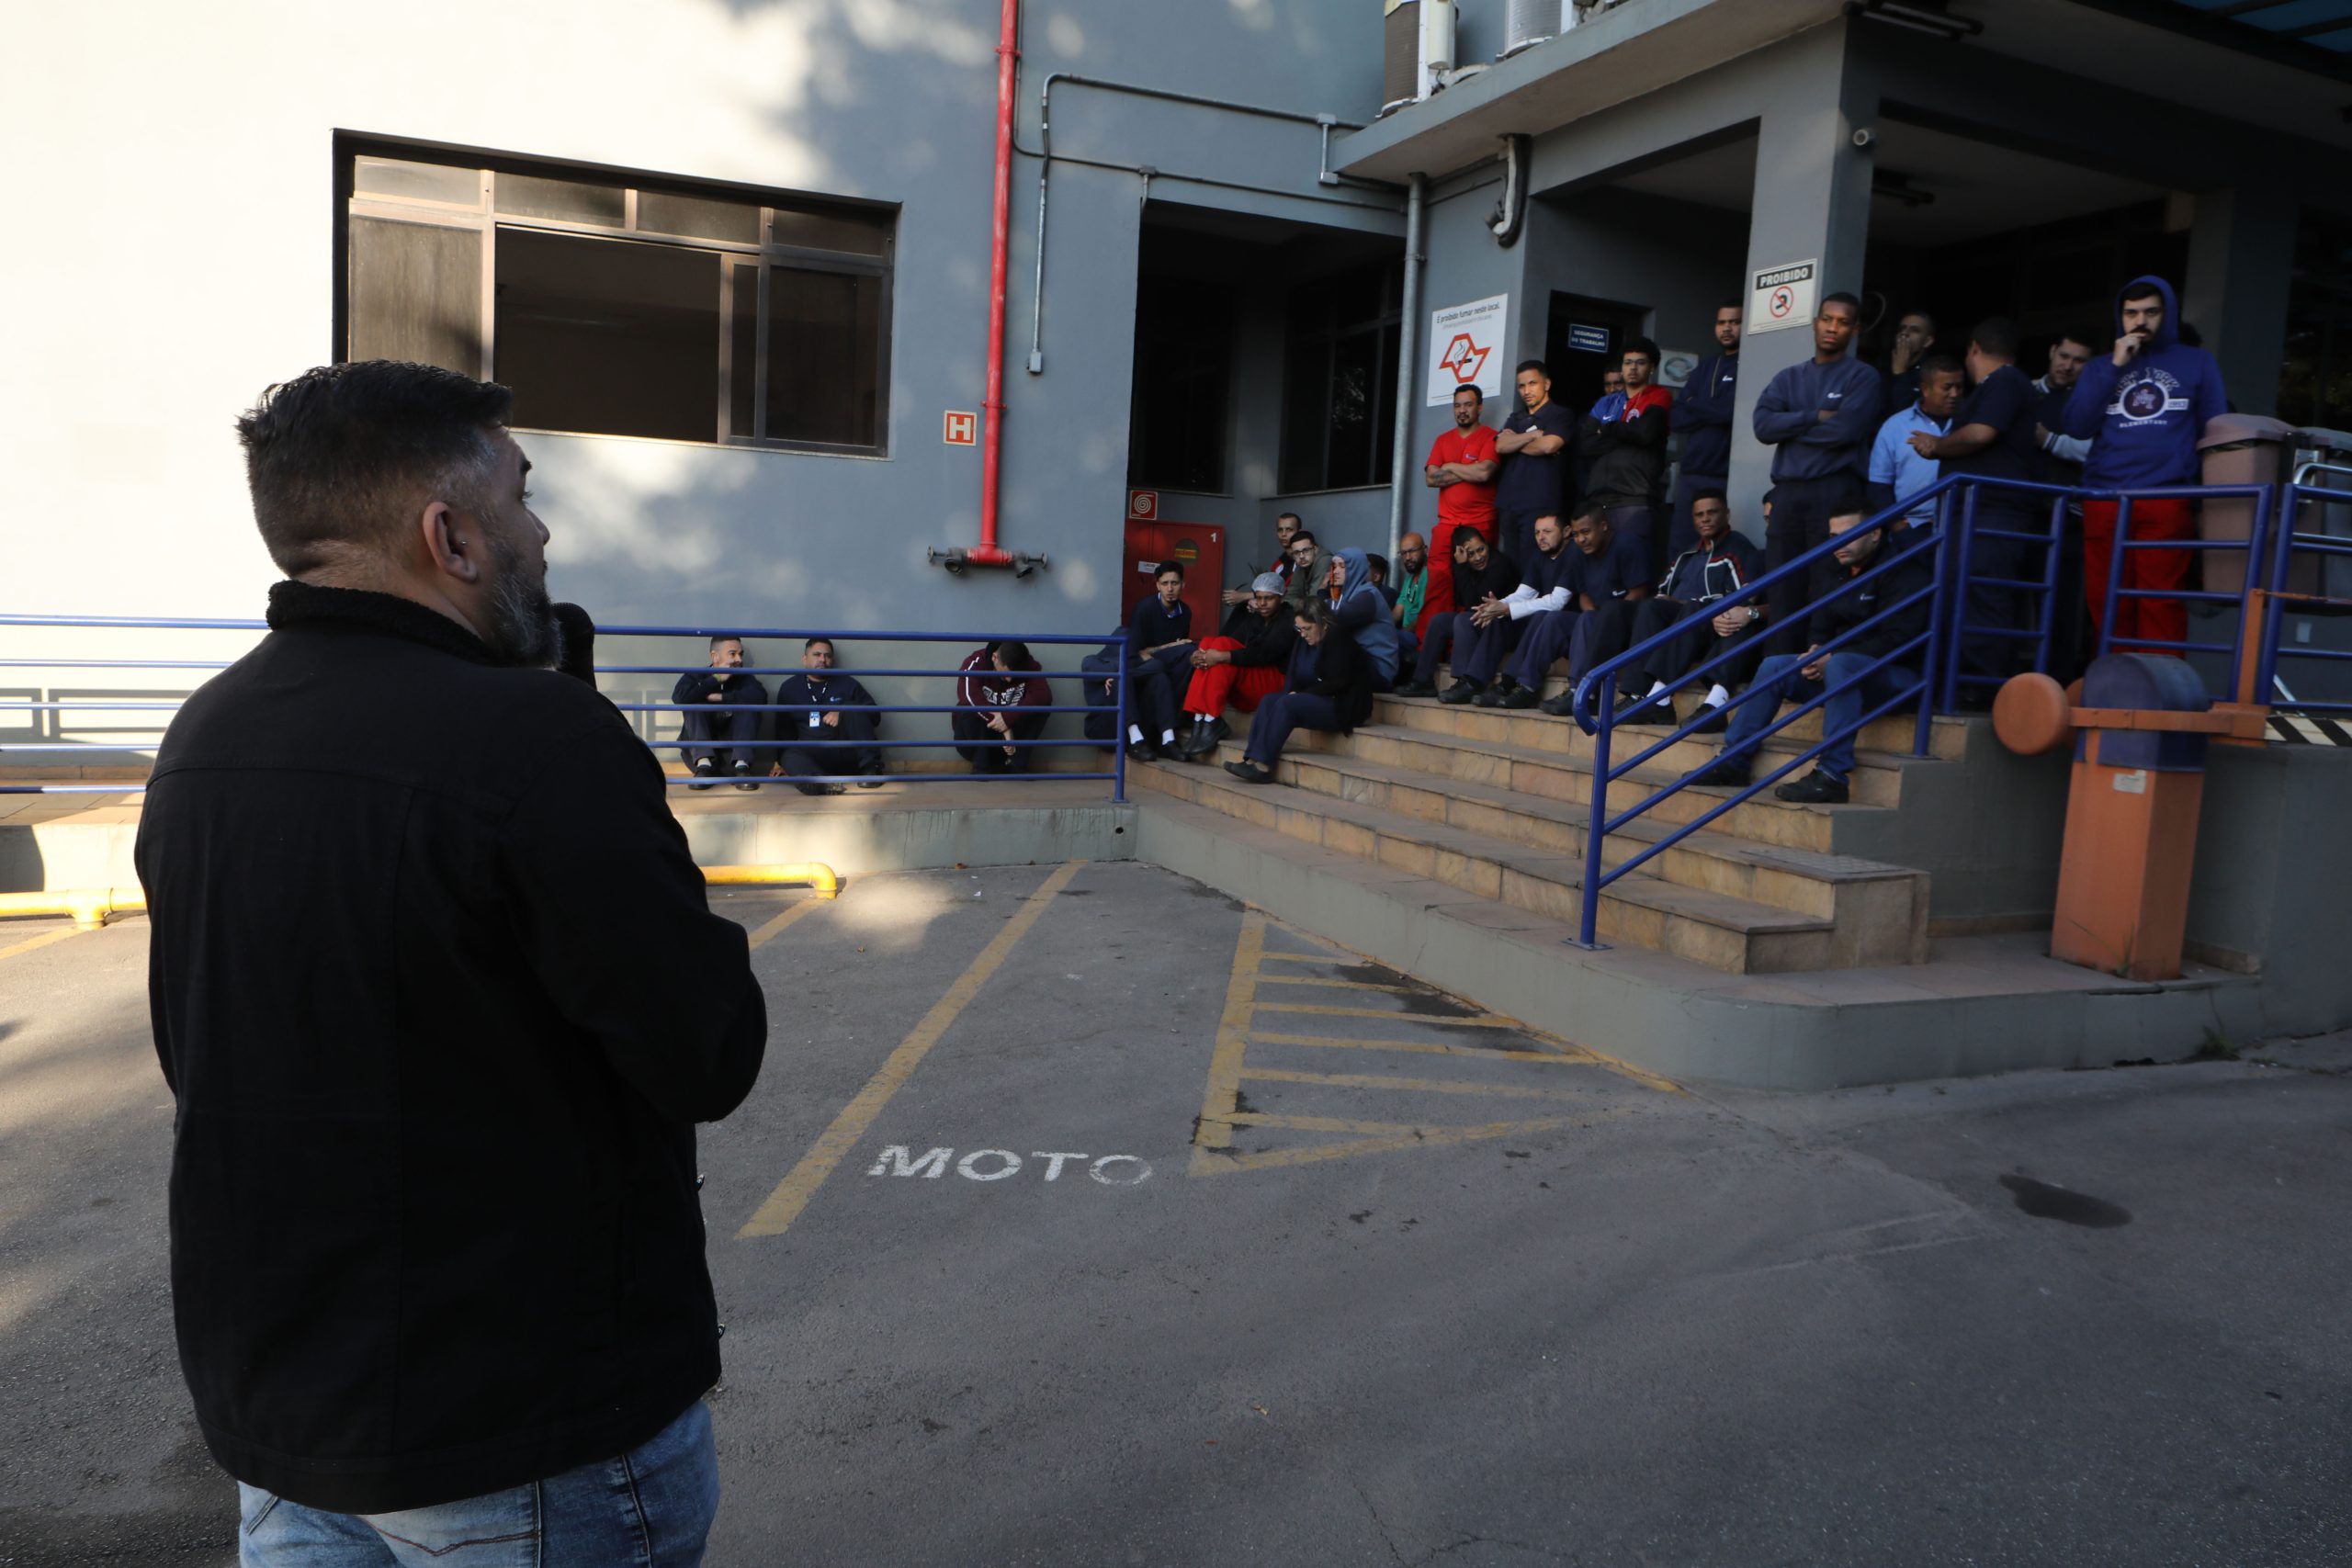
(1818, 416)
(1702, 418)
(2143, 408)
(1361, 610)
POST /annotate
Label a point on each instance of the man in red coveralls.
(1462, 468)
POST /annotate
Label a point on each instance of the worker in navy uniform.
(1534, 446)
(1801, 677)
(1479, 573)
(716, 739)
(1721, 563)
(1601, 564)
(1818, 416)
(819, 706)
(1488, 632)
(1159, 667)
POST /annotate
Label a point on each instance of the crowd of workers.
(1557, 546)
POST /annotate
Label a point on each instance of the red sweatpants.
(2154, 620)
(1438, 597)
(1240, 684)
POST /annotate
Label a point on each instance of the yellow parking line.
(1418, 1086)
(1232, 1039)
(768, 932)
(1394, 1137)
(1473, 1021)
(41, 941)
(1343, 985)
(1572, 1056)
(792, 1194)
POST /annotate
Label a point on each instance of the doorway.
(1583, 339)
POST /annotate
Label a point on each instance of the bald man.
(1413, 607)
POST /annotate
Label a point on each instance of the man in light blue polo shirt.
(1897, 470)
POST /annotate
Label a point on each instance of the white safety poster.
(1466, 348)
(1784, 296)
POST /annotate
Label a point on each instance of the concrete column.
(1812, 200)
(2241, 262)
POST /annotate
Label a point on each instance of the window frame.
(483, 219)
(1319, 342)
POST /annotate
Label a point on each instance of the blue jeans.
(652, 1508)
(1776, 681)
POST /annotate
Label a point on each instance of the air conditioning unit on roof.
(1417, 48)
(1527, 22)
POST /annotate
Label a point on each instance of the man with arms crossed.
(1535, 444)
(435, 986)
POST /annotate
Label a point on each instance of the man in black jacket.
(1479, 573)
(1623, 441)
(1800, 677)
(732, 719)
(438, 994)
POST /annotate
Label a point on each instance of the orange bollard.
(2131, 807)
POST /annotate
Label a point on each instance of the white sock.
(1168, 738)
(1655, 687)
(1135, 732)
(1718, 696)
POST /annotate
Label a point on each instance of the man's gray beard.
(523, 628)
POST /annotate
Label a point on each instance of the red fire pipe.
(1007, 52)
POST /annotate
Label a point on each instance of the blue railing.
(1596, 694)
(1117, 679)
(1960, 524)
(2289, 541)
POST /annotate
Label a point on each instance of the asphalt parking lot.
(1083, 1217)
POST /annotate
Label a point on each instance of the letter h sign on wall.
(961, 428)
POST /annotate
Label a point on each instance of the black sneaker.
(703, 772)
(1415, 688)
(1459, 692)
(743, 779)
(1516, 698)
(1726, 773)
(869, 783)
(810, 786)
(1492, 697)
(1562, 707)
(1718, 719)
(1817, 789)
(1248, 772)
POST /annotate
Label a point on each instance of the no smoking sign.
(1782, 296)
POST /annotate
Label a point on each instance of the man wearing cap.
(1240, 665)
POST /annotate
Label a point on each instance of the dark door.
(1583, 339)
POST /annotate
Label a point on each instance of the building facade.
(735, 257)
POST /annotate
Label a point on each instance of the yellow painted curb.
(815, 872)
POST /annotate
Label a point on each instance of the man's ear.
(454, 545)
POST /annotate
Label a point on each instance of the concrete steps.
(1699, 904)
(1497, 804)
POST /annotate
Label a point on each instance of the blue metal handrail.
(2255, 544)
(1957, 529)
(1118, 678)
(2288, 542)
(1600, 685)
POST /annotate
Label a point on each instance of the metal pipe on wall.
(988, 552)
(1408, 385)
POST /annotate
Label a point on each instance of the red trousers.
(1240, 684)
(2153, 620)
(1436, 599)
